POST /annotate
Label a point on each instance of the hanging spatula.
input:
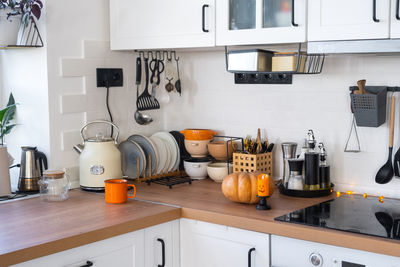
(145, 101)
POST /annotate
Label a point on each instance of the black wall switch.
(109, 77)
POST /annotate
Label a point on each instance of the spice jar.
(54, 186)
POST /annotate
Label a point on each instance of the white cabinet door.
(153, 24)
(395, 19)
(125, 250)
(162, 241)
(348, 20)
(241, 22)
(210, 245)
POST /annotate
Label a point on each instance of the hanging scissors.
(156, 68)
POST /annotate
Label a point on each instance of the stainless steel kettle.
(99, 159)
(33, 162)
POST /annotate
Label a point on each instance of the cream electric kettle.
(99, 159)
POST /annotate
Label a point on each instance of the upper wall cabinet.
(349, 20)
(154, 24)
(243, 22)
(395, 19)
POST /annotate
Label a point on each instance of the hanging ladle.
(385, 173)
(140, 118)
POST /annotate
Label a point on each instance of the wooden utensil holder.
(253, 162)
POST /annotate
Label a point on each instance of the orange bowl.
(198, 134)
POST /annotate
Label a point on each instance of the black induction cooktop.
(352, 213)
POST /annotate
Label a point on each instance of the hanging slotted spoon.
(145, 101)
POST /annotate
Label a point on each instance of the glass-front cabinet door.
(241, 22)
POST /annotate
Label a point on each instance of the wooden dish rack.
(165, 178)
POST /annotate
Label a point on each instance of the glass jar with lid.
(54, 186)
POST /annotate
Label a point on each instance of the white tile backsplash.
(210, 99)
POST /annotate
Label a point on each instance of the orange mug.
(117, 191)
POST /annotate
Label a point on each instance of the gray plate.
(130, 151)
(149, 149)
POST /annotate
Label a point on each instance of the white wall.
(78, 43)
(24, 73)
(210, 99)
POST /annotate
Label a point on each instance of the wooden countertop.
(31, 228)
(203, 200)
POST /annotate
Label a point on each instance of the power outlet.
(109, 77)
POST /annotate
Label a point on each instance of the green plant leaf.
(7, 130)
(11, 100)
(8, 115)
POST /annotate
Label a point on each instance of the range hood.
(354, 47)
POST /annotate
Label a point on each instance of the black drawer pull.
(88, 264)
(397, 10)
(203, 15)
(249, 256)
(162, 251)
(293, 23)
(374, 11)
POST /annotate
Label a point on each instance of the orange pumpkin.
(242, 187)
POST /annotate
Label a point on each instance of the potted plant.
(6, 116)
(15, 17)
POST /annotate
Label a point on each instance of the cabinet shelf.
(305, 64)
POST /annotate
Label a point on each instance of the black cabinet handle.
(293, 23)
(163, 252)
(397, 10)
(374, 11)
(88, 264)
(204, 18)
(249, 256)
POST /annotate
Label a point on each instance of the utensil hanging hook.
(158, 55)
(141, 54)
(165, 57)
(176, 59)
(169, 55)
(152, 55)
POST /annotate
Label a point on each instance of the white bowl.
(196, 168)
(218, 171)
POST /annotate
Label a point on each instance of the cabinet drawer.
(124, 250)
(206, 244)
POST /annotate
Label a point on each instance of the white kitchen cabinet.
(136, 249)
(289, 252)
(161, 24)
(124, 250)
(210, 245)
(348, 20)
(395, 19)
(242, 22)
(162, 241)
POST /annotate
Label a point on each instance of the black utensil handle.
(203, 16)
(88, 264)
(160, 69)
(146, 71)
(397, 10)
(153, 70)
(249, 256)
(138, 70)
(162, 251)
(374, 11)
(293, 23)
